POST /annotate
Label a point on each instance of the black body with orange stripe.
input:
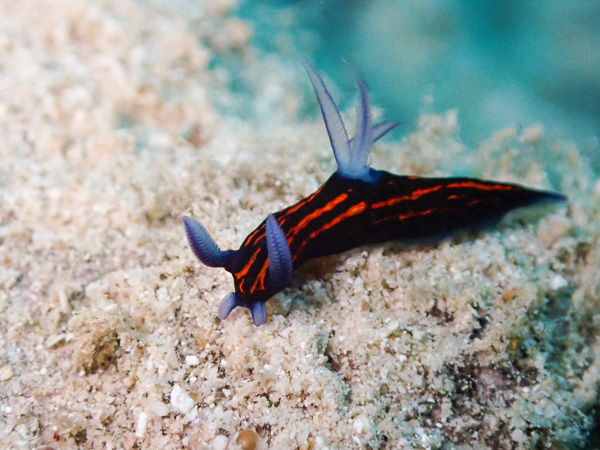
(358, 205)
(346, 213)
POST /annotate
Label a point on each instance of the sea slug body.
(357, 205)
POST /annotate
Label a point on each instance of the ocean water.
(499, 63)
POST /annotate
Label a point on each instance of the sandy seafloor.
(110, 133)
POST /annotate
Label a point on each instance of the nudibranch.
(357, 205)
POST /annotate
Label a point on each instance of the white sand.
(109, 133)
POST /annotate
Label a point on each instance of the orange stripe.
(328, 207)
(260, 277)
(407, 216)
(483, 187)
(464, 184)
(249, 238)
(244, 271)
(412, 196)
(290, 235)
(304, 202)
(281, 220)
(354, 210)
(418, 213)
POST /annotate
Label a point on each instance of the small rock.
(160, 409)
(192, 360)
(359, 425)
(517, 435)
(557, 282)
(247, 439)
(220, 443)
(6, 372)
(181, 400)
(140, 429)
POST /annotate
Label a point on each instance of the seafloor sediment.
(110, 133)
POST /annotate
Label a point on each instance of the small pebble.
(6, 373)
(140, 429)
(160, 409)
(181, 401)
(192, 360)
(220, 443)
(359, 425)
(557, 282)
(248, 439)
(517, 436)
